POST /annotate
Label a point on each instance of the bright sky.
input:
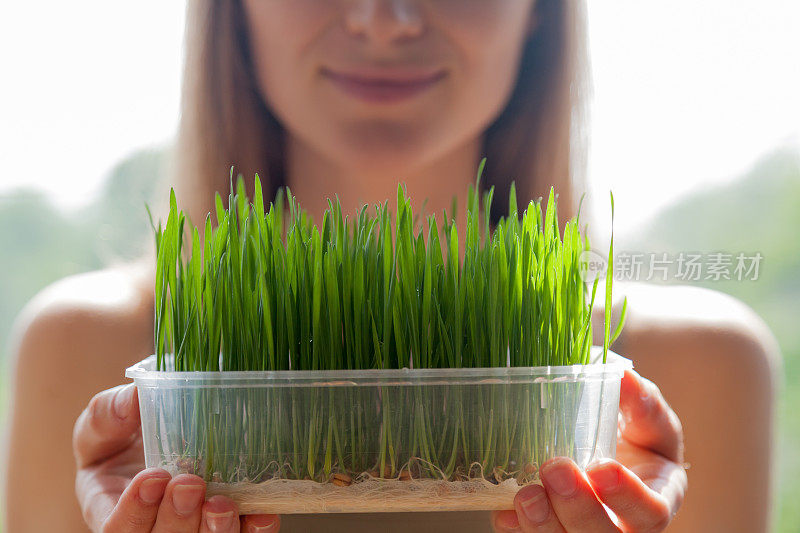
(687, 93)
(84, 84)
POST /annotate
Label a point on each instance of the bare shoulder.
(716, 363)
(708, 326)
(71, 341)
(88, 323)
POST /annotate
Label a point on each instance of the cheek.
(489, 36)
(282, 36)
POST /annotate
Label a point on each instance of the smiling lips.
(384, 86)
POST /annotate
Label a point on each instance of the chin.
(387, 150)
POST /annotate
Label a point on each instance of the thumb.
(107, 426)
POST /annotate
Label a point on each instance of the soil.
(283, 496)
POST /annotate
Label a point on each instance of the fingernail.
(186, 498)
(219, 521)
(604, 476)
(261, 525)
(644, 392)
(534, 504)
(645, 400)
(560, 478)
(122, 402)
(151, 490)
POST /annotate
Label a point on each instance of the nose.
(384, 21)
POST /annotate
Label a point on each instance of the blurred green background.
(759, 212)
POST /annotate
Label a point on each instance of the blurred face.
(386, 84)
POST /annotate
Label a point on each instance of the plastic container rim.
(143, 372)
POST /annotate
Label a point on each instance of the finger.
(220, 515)
(98, 495)
(656, 471)
(572, 498)
(505, 521)
(648, 421)
(261, 523)
(180, 509)
(639, 505)
(137, 508)
(107, 426)
(534, 511)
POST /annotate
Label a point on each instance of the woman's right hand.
(117, 495)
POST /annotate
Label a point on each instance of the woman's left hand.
(644, 488)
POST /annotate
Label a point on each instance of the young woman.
(348, 97)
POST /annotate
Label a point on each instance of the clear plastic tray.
(376, 440)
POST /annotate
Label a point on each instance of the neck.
(313, 178)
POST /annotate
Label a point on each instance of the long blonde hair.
(537, 141)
